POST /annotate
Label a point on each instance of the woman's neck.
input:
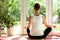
(36, 14)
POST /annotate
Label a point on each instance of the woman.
(36, 21)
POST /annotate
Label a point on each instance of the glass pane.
(56, 14)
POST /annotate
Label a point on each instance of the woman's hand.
(54, 26)
(25, 27)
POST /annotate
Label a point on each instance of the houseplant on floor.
(8, 13)
(9, 22)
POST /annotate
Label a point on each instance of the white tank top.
(37, 29)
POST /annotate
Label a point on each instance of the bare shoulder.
(30, 17)
(43, 17)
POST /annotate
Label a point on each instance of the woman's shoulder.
(30, 16)
(41, 15)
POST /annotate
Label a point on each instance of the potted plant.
(9, 22)
(7, 11)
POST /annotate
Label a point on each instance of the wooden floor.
(26, 38)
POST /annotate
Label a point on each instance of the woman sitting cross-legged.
(36, 21)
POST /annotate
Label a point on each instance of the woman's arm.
(29, 22)
(45, 23)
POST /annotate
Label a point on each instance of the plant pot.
(10, 31)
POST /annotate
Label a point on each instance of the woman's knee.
(28, 31)
(49, 28)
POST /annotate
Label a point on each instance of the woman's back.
(37, 28)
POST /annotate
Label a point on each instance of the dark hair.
(37, 6)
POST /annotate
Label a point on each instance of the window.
(56, 14)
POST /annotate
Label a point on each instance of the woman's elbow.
(46, 25)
